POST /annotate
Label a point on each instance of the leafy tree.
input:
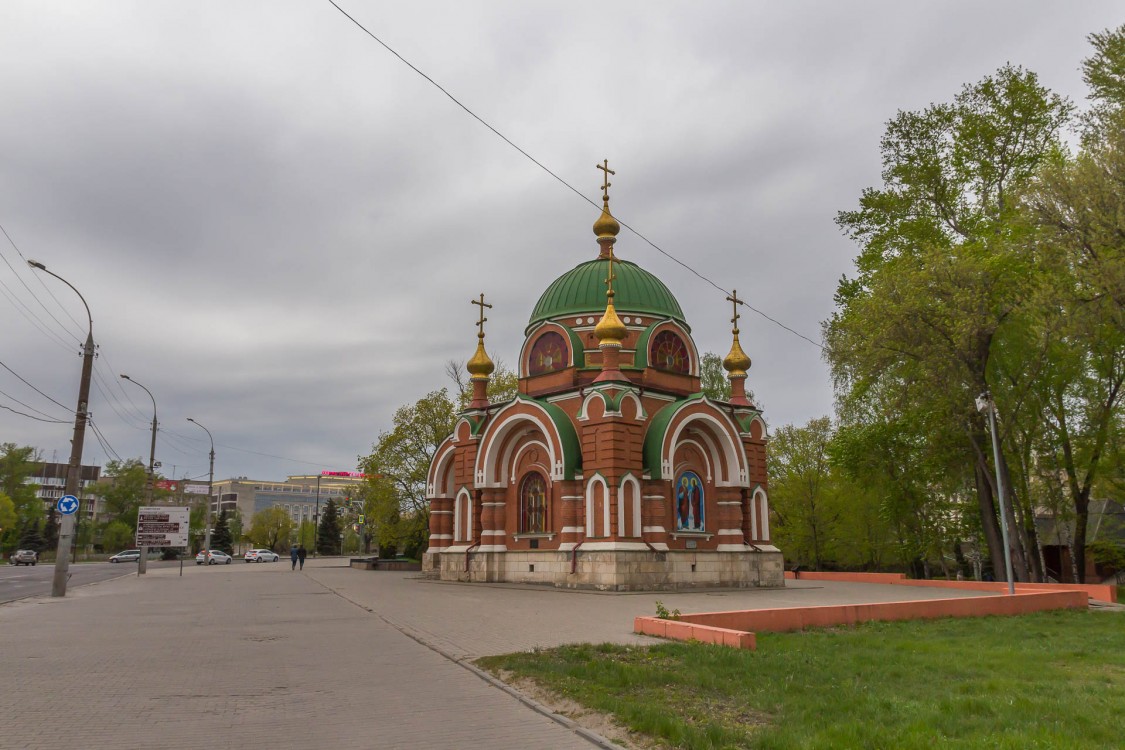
(234, 523)
(306, 534)
(31, 536)
(1076, 205)
(271, 528)
(802, 491)
(118, 535)
(17, 465)
(716, 385)
(7, 514)
(328, 535)
(402, 455)
(124, 495)
(220, 535)
(503, 384)
(942, 273)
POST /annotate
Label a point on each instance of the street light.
(985, 403)
(210, 487)
(142, 564)
(74, 471)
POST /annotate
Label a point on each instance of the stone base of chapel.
(612, 570)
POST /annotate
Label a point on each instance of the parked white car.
(212, 557)
(128, 555)
(261, 555)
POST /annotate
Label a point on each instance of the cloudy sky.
(278, 225)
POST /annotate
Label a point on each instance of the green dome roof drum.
(581, 290)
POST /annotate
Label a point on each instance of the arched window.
(533, 504)
(689, 502)
(668, 352)
(548, 354)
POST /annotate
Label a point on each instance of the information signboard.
(195, 489)
(163, 526)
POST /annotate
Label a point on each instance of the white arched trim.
(764, 509)
(462, 510)
(591, 488)
(583, 411)
(486, 471)
(709, 459)
(514, 450)
(729, 448)
(634, 500)
(440, 470)
(641, 413)
(760, 421)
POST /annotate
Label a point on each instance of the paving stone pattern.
(239, 656)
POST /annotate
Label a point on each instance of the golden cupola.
(480, 365)
(736, 363)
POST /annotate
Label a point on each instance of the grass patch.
(1047, 680)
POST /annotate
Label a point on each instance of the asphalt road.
(20, 582)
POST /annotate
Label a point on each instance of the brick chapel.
(610, 469)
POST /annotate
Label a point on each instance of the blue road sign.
(67, 504)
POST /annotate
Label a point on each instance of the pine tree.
(328, 537)
(220, 536)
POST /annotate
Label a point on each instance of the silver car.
(24, 557)
(128, 555)
(212, 557)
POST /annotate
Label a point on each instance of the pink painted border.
(737, 628)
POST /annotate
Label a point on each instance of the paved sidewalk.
(469, 620)
(261, 656)
(239, 656)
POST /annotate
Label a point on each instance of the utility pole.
(210, 490)
(142, 564)
(74, 470)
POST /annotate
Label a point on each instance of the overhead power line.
(566, 184)
(31, 416)
(29, 385)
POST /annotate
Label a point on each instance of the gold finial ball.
(736, 362)
(610, 330)
(606, 225)
(480, 365)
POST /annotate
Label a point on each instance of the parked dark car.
(24, 557)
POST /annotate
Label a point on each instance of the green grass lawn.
(1048, 680)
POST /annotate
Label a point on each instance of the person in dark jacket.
(293, 556)
(302, 553)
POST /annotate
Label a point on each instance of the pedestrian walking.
(293, 556)
(302, 553)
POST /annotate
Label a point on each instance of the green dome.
(581, 290)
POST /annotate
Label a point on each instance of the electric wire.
(30, 416)
(29, 385)
(29, 289)
(103, 440)
(566, 184)
(52, 417)
(25, 311)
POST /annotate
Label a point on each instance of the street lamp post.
(984, 402)
(142, 564)
(74, 470)
(316, 517)
(210, 487)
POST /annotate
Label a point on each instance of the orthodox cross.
(611, 277)
(604, 166)
(735, 302)
(480, 323)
